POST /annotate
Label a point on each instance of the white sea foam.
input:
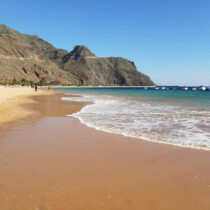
(163, 123)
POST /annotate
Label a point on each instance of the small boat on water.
(157, 88)
(163, 88)
(203, 88)
(194, 88)
(185, 88)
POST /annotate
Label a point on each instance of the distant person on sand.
(35, 88)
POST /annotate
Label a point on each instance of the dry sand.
(54, 162)
(10, 100)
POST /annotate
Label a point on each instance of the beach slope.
(11, 99)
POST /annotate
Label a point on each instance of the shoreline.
(19, 96)
(130, 135)
(55, 162)
(145, 140)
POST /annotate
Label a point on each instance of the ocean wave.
(150, 121)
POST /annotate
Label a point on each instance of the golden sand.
(55, 163)
(11, 99)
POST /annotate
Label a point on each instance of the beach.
(11, 99)
(51, 161)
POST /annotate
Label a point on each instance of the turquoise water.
(175, 117)
(190, 98)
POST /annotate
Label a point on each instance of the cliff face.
(31, 58)
(92, 70)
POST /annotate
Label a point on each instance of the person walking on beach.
(35, 88)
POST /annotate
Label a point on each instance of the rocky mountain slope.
(29, 57)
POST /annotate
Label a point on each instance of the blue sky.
(169, 40)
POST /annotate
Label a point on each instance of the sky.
(169, 40)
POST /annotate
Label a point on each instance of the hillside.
(29, 57)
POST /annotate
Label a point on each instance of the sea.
(168, 116)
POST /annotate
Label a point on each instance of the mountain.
(30, 57)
